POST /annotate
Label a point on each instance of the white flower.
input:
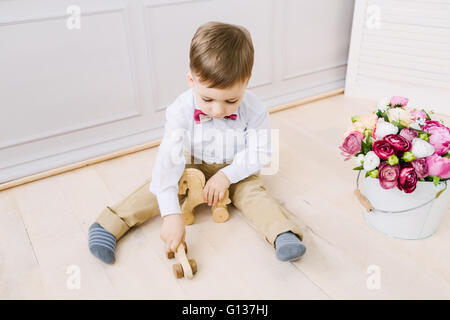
(359, 160)
(371, 161)
(383, 104)
(384, 128)
(421, 148)
(415, 125)
(418, 124)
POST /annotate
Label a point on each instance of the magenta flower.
(397, 101)
(438, 166)
(407, 180)
(421, 167)
(388, 175)
(351, 144)
(383, 149)
(399, 143)
(431, 124)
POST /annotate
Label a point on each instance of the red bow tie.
(199, 116)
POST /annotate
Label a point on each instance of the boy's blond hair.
(221, 54)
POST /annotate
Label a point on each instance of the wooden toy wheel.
(178, 271)
(193, 265)
(171, 254)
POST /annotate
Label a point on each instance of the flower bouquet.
(399, 145)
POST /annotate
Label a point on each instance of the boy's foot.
(289, 247)
(102, 243)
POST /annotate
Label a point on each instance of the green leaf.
(385, 117)
(359, 168)
(436, 180)
(393, 160)
(355, 118)
(366, 147)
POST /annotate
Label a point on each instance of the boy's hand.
(173, 231)
(215, 188)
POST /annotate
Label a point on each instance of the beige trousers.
(248, 195)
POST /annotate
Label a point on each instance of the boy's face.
(217, 103)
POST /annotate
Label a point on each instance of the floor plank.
(20, 275)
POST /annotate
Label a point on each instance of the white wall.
(67, 95)
(401, 48)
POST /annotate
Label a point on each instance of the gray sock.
(102, 243)
(289, 247)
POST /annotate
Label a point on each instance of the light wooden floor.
(44, 225)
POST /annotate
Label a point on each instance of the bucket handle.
(370, 208)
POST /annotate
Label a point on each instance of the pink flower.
(407, 180)
(368, 121)
(416, 114)
(440, 136)
(400, 115)
(409, 134)
(388, 175)
(420, 165)
(397, 101)
(438, 166)
(351, 144)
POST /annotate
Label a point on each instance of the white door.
(401, 48)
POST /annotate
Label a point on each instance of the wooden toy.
(185, 267)
(192, 182)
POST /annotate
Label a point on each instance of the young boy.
(221, 61)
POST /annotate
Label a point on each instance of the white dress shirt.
(245, 142)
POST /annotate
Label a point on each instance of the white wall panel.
(69, 95)
(322, 42)
(69, 79)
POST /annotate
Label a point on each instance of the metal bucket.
(401, 215)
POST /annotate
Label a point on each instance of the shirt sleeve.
(170, 161)
(258, 146)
